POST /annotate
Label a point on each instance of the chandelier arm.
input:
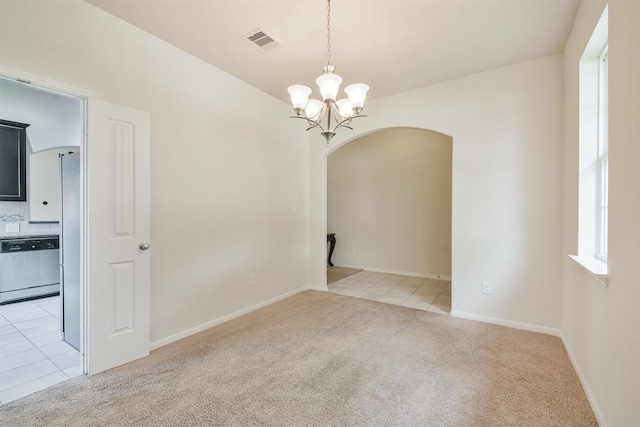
(336, 114)
(340, 124)
(345, 123)
(311, 122)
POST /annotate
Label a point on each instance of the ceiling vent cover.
(261, 40)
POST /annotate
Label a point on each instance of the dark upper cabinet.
(13, 161)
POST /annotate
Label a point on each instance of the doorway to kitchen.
(41, 310)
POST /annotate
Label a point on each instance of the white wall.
(55, 121)
(389, 198)
(506, 126)
(26, 228)
(317, 201)
(223, 186)
(601, 326)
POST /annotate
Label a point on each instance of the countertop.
(26, 236)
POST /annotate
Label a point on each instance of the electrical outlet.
(253, 279)
(12, 228)
(353, 250)
(486, 287)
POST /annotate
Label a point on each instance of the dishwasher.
(29, 268)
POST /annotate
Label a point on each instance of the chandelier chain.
(328, 32)
(331, 113)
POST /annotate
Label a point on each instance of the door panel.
(119, 204)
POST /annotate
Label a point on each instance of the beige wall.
(601, 325)
(506, 126)
(223, 188)
(389, 199)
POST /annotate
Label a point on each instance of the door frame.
(41, 84)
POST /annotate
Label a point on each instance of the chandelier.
(330, 114)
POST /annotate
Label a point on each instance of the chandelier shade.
(329, 85)
(313, 109)
(299, 95)
(345, 107)
(328, 114)
(357, 93)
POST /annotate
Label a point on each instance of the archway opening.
(389, 208)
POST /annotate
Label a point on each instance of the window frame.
(603, 156)
(593, 161)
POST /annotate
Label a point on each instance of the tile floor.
(32, 355)
(415, 292)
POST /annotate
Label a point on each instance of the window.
(603, 155)
(593, 210)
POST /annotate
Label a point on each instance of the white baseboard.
(315, 288)
(400, 272)
(509, 323)
(493, 320)
(548, 331)
(204, 326)
(583, 381)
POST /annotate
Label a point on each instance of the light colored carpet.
(336, 273)
(320, 359)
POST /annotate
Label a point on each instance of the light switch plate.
(12, 228)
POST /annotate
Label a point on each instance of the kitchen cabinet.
(44, 184)
(13, 161)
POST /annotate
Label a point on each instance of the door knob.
(144, 246)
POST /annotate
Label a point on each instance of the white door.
(118, 192)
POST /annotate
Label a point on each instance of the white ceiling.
(392, 45)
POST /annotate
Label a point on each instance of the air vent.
(261, 40)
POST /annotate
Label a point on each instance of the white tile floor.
(415, 292)
(32, 354)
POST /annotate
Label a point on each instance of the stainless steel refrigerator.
(70, 247)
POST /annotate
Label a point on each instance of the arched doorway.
(389, 203)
